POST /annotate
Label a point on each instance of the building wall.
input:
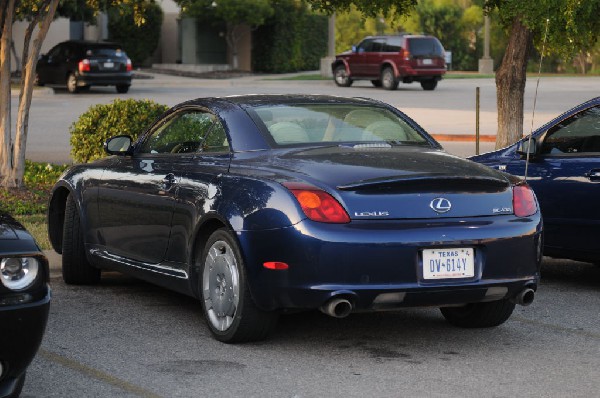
(59, 31)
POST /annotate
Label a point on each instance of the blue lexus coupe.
(258, 205)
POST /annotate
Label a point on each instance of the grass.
(37, 227)
(29, 204)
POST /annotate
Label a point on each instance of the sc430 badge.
(372, 214)
(502, 210)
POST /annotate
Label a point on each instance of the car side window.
(378, 45)
(55, 53)
(579, 133)
(183, 133)
(216, 140)
(365, 46)
(393, 45)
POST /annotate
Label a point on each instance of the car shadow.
(574, 273)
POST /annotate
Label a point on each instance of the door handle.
(593, 175)
(169, 181)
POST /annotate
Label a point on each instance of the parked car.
(261, 204)
(564, 171)
(24, 303)
(389, 60)
(79, 64)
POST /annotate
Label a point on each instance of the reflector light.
(524, 203)
(276, 265)
(318, 205)
(84, 65)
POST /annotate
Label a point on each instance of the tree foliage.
(293, 39)
(139, 42)
(236, 14)
(39, 14)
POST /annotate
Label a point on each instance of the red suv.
(389, 60)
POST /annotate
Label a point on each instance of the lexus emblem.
(440, 205)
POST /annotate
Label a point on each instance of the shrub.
(293, 39)
(100, 122)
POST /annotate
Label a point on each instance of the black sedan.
(262, 204)
(80, 64)
(24, 303)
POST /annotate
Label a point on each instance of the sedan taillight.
(318, 205)
(129, 65)
(524, 203)
(84, 65)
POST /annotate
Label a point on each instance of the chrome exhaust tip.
(525, 297)
(337, 308)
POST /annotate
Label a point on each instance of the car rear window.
(425, 47)
(322, 123)
(104, 52)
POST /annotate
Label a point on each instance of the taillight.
(406, 54)
(318, 205)
(524, 203)
(129, 65)
(84, 65)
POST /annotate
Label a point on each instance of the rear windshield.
(426, 46)
(113, 52)
(327, 123)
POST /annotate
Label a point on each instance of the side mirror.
(527, 146)
(119, 145)
(354, 49)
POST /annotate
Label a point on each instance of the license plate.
(448, 263)
(427, 61)
(109, 64)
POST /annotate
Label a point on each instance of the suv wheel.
(429, 85)
(340, 76)
(388, 80)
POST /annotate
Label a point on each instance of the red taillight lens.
(319, 205)
(84, 65)
(406, 54)
(524, 203)
(129, 65)
(275, 265)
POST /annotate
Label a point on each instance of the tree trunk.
(30, 61)
(510, 85)
(5, 121)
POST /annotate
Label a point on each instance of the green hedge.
(100, 122)
(293, 39)
(139, 42)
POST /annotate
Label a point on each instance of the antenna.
(535, 98)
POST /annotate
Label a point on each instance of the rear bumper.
(378, 265)
(408, 74)
(23, 327)
(104, 79)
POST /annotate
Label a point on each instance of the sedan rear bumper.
(378, 265)
(104, 79)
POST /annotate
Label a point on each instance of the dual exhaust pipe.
(338, 307)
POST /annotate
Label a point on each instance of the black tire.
(388, 80)
(72, 84)
(76, 269)
(122, 88)
(340, 77)
(229, 310)
(376, 83)
(429, 85)
(479, 315)
(18, 386)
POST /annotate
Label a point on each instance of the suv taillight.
(405, 54)
(129, 65)
(84, 65)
